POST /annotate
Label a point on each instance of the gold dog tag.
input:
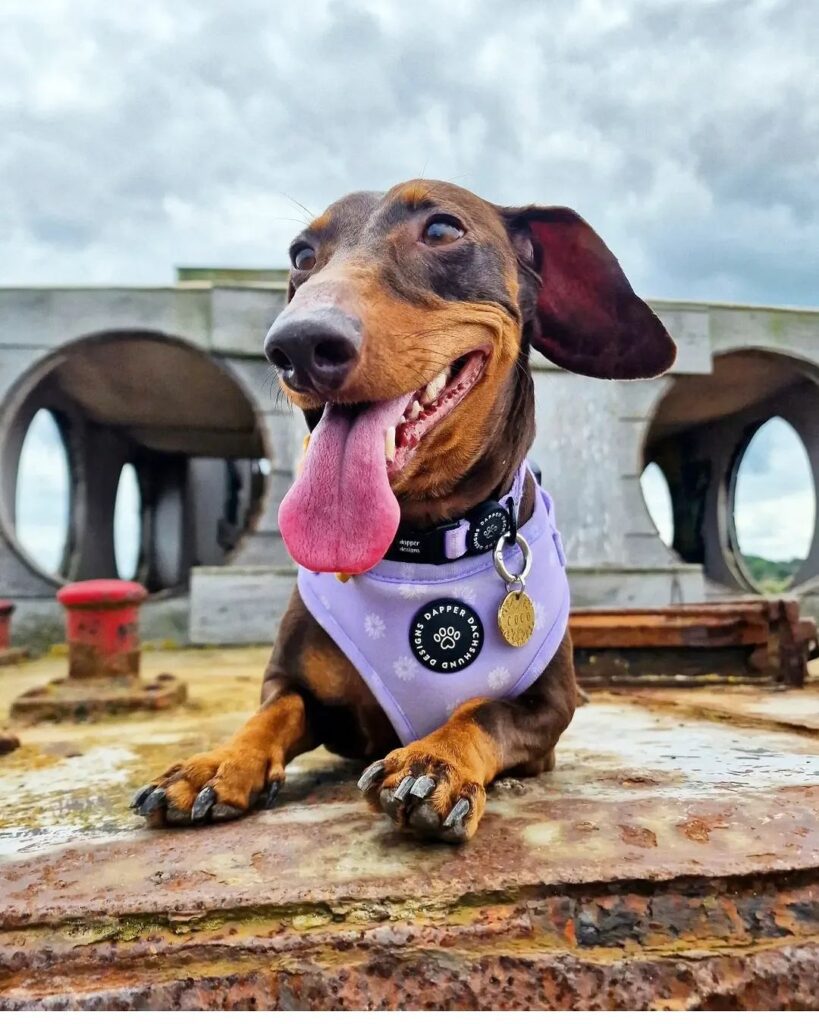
(516, 618)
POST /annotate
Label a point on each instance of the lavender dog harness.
(425, 638)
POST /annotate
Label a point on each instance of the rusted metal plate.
(407, 969)
(64, 699)
(680, 626)
(738, 642)
(669, 861)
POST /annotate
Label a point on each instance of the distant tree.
(771, 577)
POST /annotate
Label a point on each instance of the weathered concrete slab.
(669, 861)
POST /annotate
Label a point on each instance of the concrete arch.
(180, 415)
(698, 433)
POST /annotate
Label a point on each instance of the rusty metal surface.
(670, 860)
(82, 699)
(8, 742)
(760, 640)
(12, 655)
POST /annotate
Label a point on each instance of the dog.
(405, 341)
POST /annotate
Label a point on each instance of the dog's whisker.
(301, 206)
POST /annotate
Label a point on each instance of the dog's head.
(405, 341)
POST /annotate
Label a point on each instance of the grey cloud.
(684, 130)
(775, 464)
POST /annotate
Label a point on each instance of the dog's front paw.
(217, 786)
(427, 790)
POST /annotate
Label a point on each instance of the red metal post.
(102, 628)
(6, 608)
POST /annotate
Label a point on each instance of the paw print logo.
(405, 668)
(446, 637)
(374, 626)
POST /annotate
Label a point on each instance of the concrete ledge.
(243, 605)
(636, 586)
(40, 622)
(238, 604)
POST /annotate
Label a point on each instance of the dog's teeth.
(389, 444)
(415, 411)
(435, 387)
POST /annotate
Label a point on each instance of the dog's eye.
(442, 231)
(304, 258)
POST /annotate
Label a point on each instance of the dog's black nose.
(314, 351)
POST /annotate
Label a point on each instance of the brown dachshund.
(430, 291)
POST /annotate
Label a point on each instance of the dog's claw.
(457, 814)
(423, 787)
(402, 789)
(371, 776)
(272, 793)
(203, 803)
(140, 795)
(153, 801)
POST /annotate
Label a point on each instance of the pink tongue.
(341, 515)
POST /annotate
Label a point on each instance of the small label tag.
(408, 547)
(446, 635)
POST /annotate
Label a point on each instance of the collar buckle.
(427, 546)
(476, 533)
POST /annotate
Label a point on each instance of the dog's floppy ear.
(585, 315)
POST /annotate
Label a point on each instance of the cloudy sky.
(140, 137)
(137, 137)
(775, 502)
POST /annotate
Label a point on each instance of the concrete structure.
(172, 380)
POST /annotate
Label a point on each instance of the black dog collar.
(477, 532)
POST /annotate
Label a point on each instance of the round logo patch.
(489, 524)
(446, 635)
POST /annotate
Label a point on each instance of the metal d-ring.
(497, 558)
